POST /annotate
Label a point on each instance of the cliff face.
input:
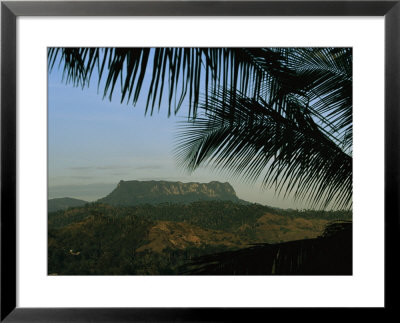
(155, 192)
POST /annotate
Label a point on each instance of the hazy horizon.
(93, 192)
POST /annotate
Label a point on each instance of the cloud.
(80, 168)
(82, 177)
(149, 167)
(116, 167)
(105, 167)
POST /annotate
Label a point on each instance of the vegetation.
(99, 239)
(100, 244)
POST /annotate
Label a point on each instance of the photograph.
(199, 161)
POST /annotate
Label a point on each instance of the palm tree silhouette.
(282, 115)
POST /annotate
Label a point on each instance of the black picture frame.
(10, 10)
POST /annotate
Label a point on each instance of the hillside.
(101, 239)
(63, 203)
(180, 235)
(128, 193)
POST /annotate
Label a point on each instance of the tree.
(282, 114)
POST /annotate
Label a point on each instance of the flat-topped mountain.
(156, 192)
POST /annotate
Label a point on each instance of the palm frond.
(328, 73)
(187, 71)
(289, 151)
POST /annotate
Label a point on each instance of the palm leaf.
(289, 151)
(187, 71)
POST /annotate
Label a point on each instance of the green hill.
(64, 203)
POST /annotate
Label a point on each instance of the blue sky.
(94, 143)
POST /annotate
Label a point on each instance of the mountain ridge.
(135, 192)
(63, 203)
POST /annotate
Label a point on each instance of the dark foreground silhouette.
(329, 254)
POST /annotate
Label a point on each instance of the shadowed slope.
(330, 254)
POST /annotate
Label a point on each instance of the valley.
(102, 238)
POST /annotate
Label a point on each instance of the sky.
(94, 143)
